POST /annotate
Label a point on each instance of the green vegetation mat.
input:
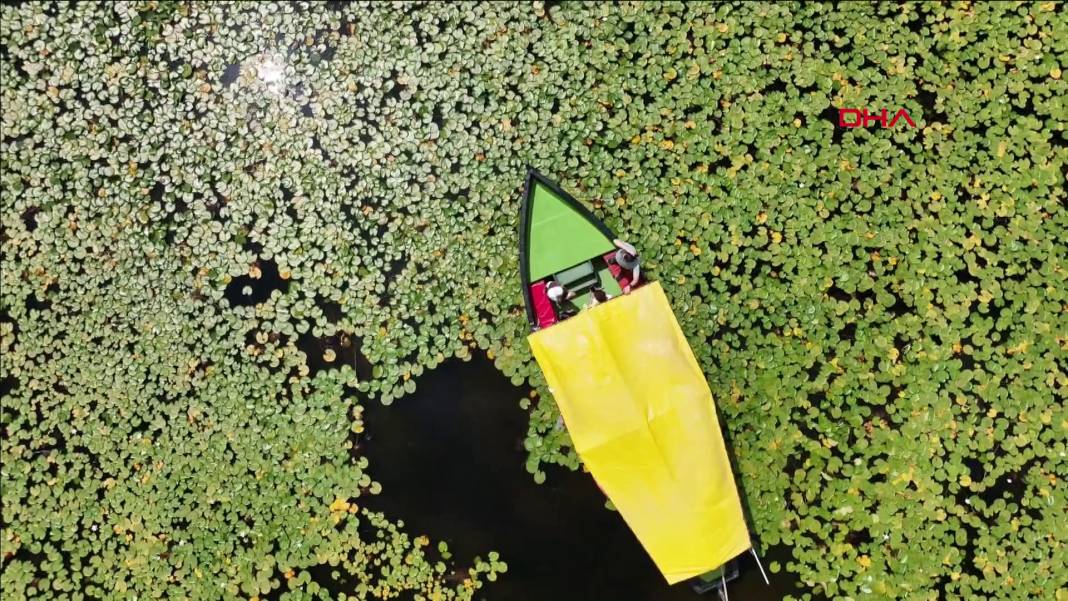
(226, 225)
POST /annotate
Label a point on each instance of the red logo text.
(864, 118)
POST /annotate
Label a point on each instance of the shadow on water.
(450, 459)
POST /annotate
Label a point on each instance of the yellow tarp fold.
(642, 419)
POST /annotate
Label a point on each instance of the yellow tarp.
(642, 419)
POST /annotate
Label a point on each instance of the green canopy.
(558, 232)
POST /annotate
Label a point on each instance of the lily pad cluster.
(226, 225)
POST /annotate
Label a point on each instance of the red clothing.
(543, 307)
(624, 277)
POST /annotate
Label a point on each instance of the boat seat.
(579, 278)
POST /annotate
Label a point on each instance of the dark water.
(450, 460)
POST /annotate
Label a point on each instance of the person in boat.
(559, 296)
(626, 258)
(557, 293)
(597, 296)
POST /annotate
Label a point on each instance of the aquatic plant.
(225, 223)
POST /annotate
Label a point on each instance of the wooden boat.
(632, 394)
